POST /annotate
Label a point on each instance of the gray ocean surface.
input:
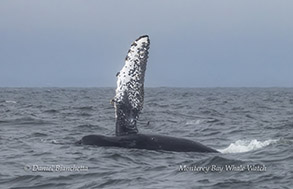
(252, 127)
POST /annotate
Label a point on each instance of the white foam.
(194, 122)
(10, 101)
(245, 146)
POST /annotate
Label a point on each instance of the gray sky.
(195, 43)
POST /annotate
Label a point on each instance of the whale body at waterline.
(148, 142)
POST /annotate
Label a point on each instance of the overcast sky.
(195, 43)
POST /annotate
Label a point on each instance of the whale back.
(128, 101)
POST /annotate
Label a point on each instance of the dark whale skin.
(148, 142)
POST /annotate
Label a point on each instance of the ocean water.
(251, 127)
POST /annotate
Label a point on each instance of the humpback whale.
(128, 103)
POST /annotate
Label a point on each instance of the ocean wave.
(89, 108)
(51, 111)
(10, 101)
(38, 134)
(200, 121)
(26, 120)
(218, 160)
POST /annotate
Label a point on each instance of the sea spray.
(245, 146)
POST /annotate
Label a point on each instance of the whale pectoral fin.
(126, 117)
(128, 101)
